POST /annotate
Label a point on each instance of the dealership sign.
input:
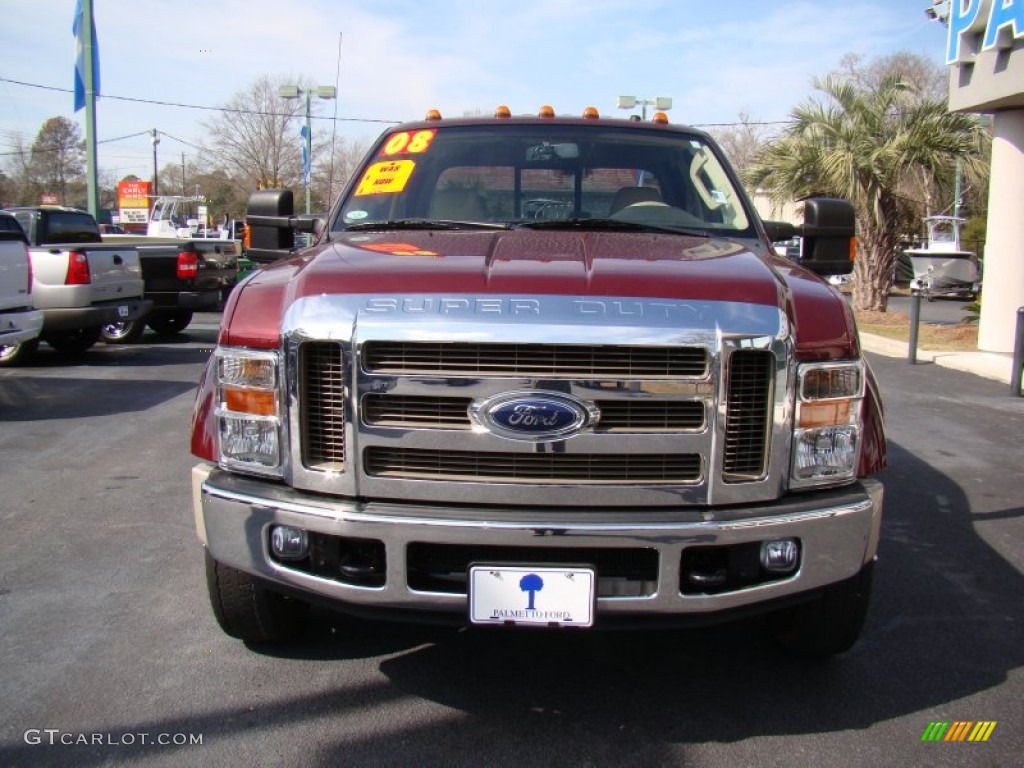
(997, 22)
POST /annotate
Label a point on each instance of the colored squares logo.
(959, 730)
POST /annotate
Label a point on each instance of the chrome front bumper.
(838, 531)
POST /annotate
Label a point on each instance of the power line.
(335, 118)
(232, 110)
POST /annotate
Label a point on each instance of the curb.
(990, 365)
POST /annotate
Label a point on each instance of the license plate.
(122, 311)
(548, 596)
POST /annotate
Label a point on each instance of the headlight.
(249, 410)
(826, 434)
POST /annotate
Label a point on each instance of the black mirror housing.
(269, 215)
(827, 245)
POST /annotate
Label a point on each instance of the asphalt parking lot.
(107, 636)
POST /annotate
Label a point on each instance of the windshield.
(514, 174)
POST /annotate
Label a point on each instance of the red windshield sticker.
(408, 143)
(385, 178)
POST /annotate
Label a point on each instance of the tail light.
(188, 264)
(78, 269)
(246, 237)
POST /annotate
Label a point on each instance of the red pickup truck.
(542, 371)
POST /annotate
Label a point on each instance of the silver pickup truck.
(78, 282)
(19, 321)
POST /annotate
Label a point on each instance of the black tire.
(247, 610)
(829, 625)
(122, 332)
(170, 323)
(15, 354)
(73, 342)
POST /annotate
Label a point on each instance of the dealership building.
(985, 54)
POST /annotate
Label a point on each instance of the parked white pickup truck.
(78, 282)
(19, 321)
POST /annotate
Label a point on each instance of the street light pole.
(293, 92)
(662, 103)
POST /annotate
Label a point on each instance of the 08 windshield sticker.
(388, 177)
(408, 143)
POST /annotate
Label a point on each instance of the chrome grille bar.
(562, 361)
(626, 416)
(532, 468)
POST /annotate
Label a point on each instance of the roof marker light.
(591, 113)
(433, 114)
(546, 111)
(502, 111)
(660, 118)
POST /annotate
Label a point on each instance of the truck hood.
(537, 263)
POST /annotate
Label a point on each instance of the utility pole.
(156, 182)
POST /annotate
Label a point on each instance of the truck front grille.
(747, 415)
(563, 361)
(533, 468)
(322, 399)
(394, 418)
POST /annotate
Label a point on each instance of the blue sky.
(401, 57)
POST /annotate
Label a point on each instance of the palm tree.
(866, 144)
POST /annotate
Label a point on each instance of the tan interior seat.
(632, 195)
(457, 205)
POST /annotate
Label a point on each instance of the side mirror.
(270, 217)
(779, 230)
(828, 246)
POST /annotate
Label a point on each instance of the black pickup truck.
(181, 276)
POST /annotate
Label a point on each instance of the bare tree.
(21, 189)
(330, 175)
(58, 157)
(928, 79)
(741, 142)
(255, 139)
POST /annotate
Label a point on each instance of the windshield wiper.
(442, 224)
(611, 225)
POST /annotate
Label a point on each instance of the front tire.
(122, 332)
(247, 610)
(74, 342)
(829, 625)
(14, 354)
(170, 323)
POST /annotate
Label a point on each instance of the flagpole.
(89, 77)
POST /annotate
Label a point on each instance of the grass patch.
(939, 338)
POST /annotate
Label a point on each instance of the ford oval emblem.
(534, 416)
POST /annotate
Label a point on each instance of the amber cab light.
(502, 111)
(78, 269)
(591, 113)
(433, 114)
(660, 118)
(188, 264)
(546, 111)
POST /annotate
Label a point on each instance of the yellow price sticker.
(385, 178)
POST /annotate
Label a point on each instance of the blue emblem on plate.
(534, 416)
